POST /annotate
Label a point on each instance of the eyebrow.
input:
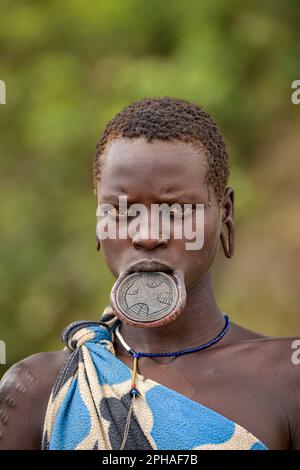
(182, 199)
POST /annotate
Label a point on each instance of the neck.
(200, 321)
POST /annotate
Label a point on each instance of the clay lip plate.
(148, 298)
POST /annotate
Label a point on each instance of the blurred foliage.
(70, 66)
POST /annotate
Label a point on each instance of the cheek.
(212, 233)
(113, 250)
(201, 259)
(207, 229)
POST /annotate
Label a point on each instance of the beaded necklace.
(136, 355)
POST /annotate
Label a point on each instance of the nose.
(148, 243)
(143, 239)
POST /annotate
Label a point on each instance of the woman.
(108, 388)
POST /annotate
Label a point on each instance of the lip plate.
(157, 312)
(140, 267)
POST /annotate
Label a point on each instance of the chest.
(225, 386)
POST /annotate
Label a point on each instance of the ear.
(98, 244)
(227, 239)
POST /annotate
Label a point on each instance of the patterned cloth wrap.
(89, 404)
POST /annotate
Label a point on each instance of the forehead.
(137, 167)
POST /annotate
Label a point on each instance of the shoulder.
(275, 363)
(282, 353)
(282, 356)
(277, 357)
(24, 393)
(267, 349)
(287, 377)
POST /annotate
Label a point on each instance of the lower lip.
(150, 268)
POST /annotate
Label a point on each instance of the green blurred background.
(69, 66)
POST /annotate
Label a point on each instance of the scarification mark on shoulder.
(3, 416)
(29, 376)
(9, 401)
(18, 382)
(21, 388)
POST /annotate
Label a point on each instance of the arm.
(293, 393)
(24, 393)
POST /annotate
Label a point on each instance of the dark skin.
(246, 377)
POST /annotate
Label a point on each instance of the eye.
(181, 210)
(118, 212)
(188, 210)
(112, 211)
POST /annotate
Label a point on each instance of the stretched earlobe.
(228, 246)
(98, 244)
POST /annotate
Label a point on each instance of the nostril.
(148, 243)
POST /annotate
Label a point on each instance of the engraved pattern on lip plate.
(147, 296)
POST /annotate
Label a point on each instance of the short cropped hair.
(169, 119)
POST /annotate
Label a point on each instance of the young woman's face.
(154, 173)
